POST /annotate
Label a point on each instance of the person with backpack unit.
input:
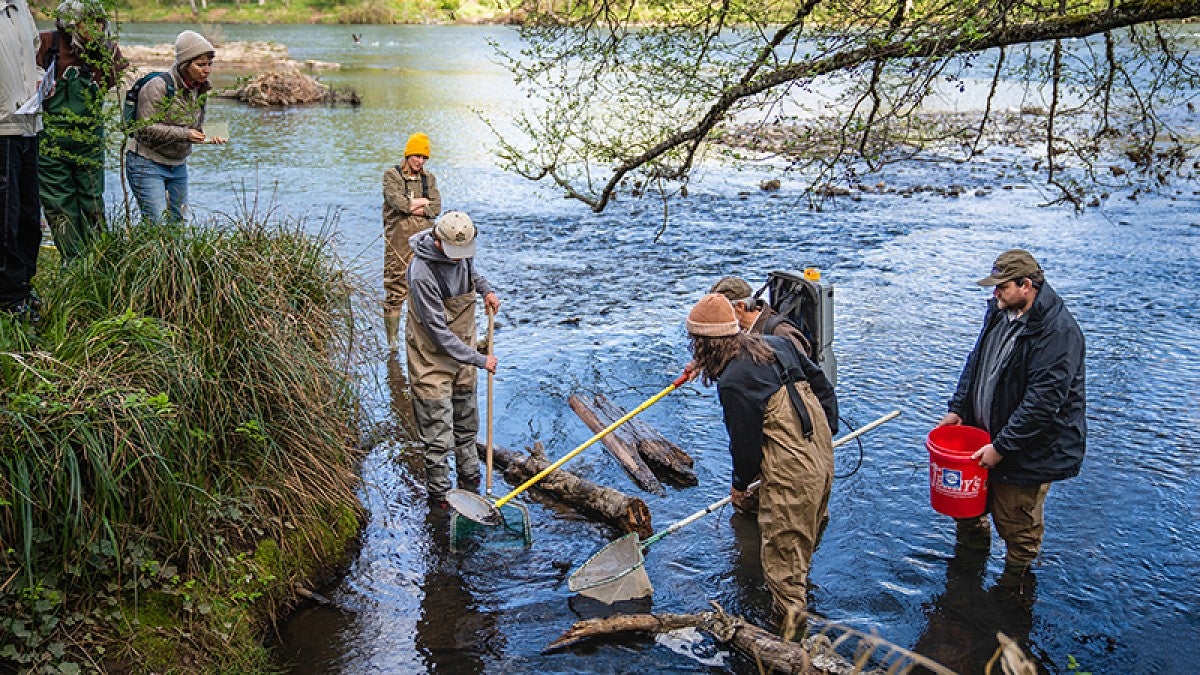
(71, 170)
(20, 205)
(168, 119)
(440, 344)
(411, 202)
(781, 413)
(754, 315)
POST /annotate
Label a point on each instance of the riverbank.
(180, 461)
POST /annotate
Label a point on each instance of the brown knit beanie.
(713, 317)
(191, 44)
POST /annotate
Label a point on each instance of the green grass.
(178, 439)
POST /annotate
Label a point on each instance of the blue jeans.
(20, 217)
(157, 187)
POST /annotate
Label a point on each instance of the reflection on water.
(595, 304)
(962, 621)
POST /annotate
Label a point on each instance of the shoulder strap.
(806, 425)
(424, 185)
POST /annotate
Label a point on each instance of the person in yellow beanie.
(411, 202)
(781, 414)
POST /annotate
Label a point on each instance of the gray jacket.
(166, 141)
(432, 278)
(19, 73)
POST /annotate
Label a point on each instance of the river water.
(595, 303)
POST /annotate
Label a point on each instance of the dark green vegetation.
(177, 448)
(305, 11)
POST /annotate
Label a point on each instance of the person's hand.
(692, 370)
(417, 205)
(216, 140)
(492, 302)
(950, 418)
(195, 136)
(491, 364)
(745, 501)
(987, 456)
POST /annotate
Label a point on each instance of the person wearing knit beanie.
(170, 112)
(411, 203)
(780, 412)
(190, 45)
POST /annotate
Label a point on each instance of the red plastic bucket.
(957, 484)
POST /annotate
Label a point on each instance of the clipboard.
(217, 129)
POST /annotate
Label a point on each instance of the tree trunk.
(625, 513)
(619, 448)
(665, 459)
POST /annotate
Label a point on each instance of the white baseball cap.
(457, 234)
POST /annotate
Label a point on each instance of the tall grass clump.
(178, 428)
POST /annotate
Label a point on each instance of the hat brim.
(991, 281)
(459, 250)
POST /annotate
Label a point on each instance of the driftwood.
(664, 457)
(817, 654)
(625, 454)
(625, 513)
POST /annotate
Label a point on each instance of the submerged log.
(625, 513)
(815, 655)
(625, 454)
(666, 459)
(772, 653)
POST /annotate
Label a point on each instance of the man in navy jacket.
(1024, 384)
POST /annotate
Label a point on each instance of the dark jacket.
(1039, 405)
(744, 388)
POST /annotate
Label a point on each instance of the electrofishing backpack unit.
(129, 109)
(801, 298)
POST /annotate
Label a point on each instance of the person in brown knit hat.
(781, 414)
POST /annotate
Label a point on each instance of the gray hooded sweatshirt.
(430, 273)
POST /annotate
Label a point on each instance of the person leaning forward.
(1024, 383)
(781, 413)
(411, 201)
(439, 338)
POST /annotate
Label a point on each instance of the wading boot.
(971, 535)
(1013, 576)
(391, 324)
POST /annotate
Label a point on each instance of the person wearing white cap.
(71, 171)
(171, 120)
(781, 414)
(440, 344)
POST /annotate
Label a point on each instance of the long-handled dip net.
(617, 572)
(486, 512)
(514, 517)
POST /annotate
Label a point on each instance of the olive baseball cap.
(1013, 264)
(734, 288)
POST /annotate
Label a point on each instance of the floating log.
(625, 513)
(625, 454)
(665, 459)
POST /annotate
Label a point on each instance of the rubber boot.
(391, 324)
